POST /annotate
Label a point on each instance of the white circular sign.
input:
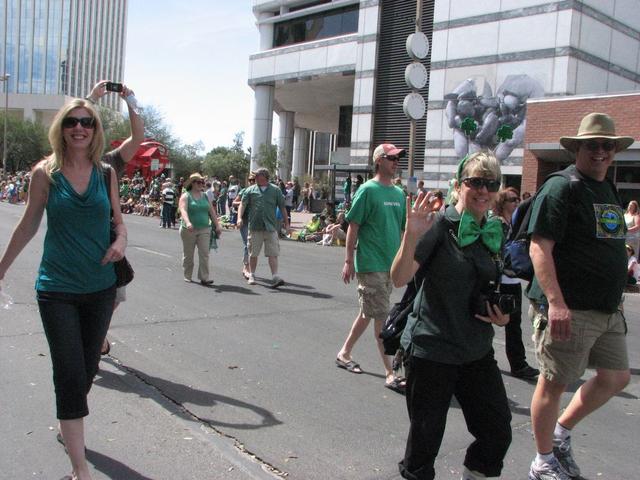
(415, 75)
(417, 45)
(414, 106)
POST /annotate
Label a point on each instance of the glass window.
(344, 126)
(350, 21)
(24, 47)
(627, 173)
(317, 26)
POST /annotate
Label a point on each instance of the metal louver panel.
(397, 22)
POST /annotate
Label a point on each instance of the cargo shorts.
(598, 340)
(374, 290)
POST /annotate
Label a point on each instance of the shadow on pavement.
(112, 468)
(293, 288)
(233, 288)
(180, 394)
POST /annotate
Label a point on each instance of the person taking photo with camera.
(448, 337)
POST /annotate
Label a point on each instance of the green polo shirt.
(262, 207)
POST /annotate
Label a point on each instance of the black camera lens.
(506, 303)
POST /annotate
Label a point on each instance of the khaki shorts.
(597, 341)
(374, 290)
(270, 240)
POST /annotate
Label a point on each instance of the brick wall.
(548, 120)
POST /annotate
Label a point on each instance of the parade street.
(239, 381)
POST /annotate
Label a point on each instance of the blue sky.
(190, 60)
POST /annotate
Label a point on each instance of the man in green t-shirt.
(261, 200)
(376, 221)
(578, 254)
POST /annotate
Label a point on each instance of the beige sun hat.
(596, 125)
(192, 178)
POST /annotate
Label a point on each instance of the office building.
(54, 50)
(338, 67)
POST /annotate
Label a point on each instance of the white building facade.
(337, 67)
(57, 49)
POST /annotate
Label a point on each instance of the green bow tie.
(490, 232)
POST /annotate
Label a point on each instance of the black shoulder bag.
(123, 269)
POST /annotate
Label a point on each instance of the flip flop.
(398, 385)
(350, 366)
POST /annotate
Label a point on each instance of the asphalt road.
(234, 380)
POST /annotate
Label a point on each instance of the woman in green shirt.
(75, 287)
(195, 212)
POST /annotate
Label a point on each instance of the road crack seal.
(203, 422)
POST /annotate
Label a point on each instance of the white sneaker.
(251, 280)
(548, 471)
(564, 454)
(471, 475)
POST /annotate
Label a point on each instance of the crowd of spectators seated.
(14, 188)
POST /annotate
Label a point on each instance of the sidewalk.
(132, 428)
(299, 219)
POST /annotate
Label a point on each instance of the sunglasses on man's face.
(594, 146)
(391, 158)
(513, 199)
(85, 122)
(478, 182)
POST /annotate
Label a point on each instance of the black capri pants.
(75, 325)
(480, 392)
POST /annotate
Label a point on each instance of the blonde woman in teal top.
(76, 280)
(195, 231)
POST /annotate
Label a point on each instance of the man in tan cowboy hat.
(578, 254)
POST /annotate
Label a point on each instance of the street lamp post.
(5, 79)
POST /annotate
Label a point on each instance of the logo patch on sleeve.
(609, 220)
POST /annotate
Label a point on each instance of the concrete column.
(285, 144)
(266, 32)
(300, 152)
(262, 120)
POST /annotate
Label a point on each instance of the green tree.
(27, 143)
(226, 161)
(186, 160)
(268, 157)
(116, 127)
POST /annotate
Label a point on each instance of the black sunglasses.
(391, 158)
(478, 182)
(512, 200)
(594, 146)
(85, 122)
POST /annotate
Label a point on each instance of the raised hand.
(421, 215)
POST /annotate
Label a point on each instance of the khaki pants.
(200, 238)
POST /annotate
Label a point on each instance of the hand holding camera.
(494, 307)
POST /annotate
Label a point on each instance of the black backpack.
(517, 262)
(397, 318)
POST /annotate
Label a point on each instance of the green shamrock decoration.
(504, 133)
(468, 126)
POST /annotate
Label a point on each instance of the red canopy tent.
(151, 158)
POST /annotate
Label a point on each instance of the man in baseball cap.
(376, 222)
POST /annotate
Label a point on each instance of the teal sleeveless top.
(77, 238)
(198, 211)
